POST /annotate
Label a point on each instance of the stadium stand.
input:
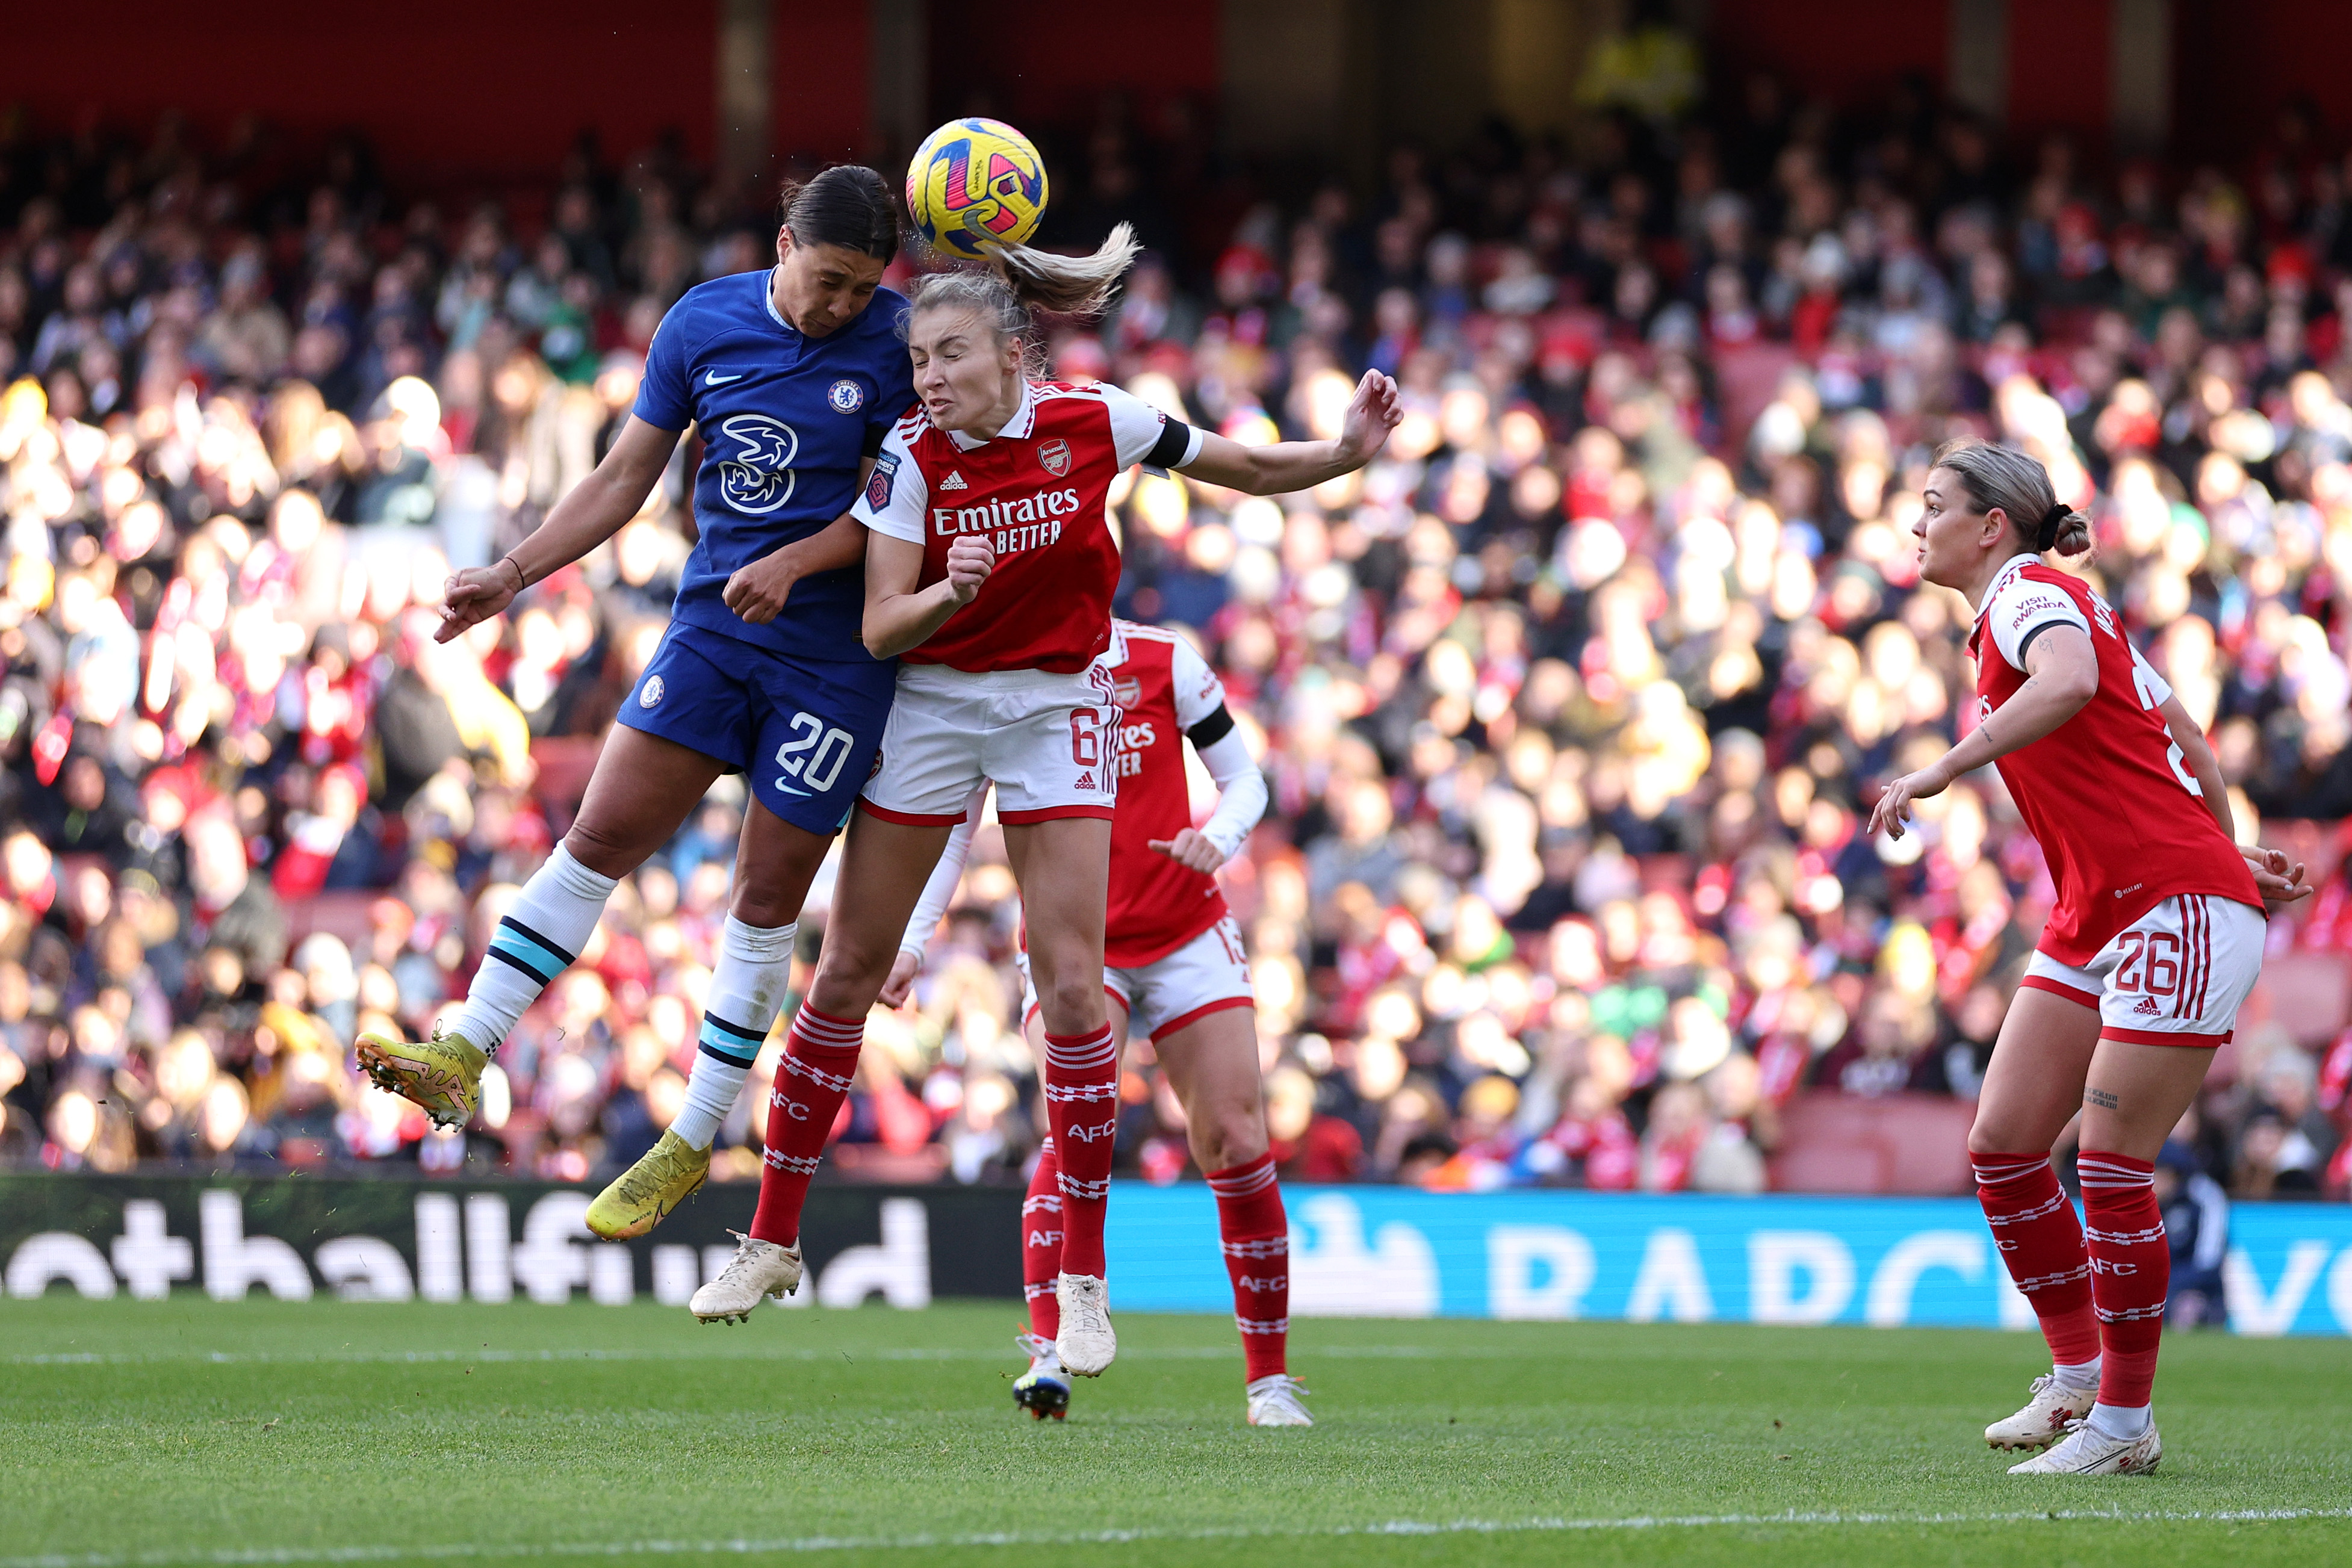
(1571, 703)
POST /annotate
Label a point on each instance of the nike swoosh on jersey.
(713, 379)
(790, 790)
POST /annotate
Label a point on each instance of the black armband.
(1175, 441)
(2025, 644)
(1212, 729)
(873, 446)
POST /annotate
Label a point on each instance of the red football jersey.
(1039, 491)
(1157, 905)
(2119, 817)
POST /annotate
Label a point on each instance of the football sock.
(1041, 1244)
(1256, 1239)
(2121, 1423)
(537, 939)
(746, 991)
(1082, 1106)
(2041, 1242)
(820, 1061)
(2125, 1229)
(2077, 1374)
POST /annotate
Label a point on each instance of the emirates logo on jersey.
(1054, 457)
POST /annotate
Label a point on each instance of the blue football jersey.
(785, 420)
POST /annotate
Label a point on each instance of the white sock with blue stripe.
(746, 991)
(537, 939)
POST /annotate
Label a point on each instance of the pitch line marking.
(269, 1557)
(785, 1353)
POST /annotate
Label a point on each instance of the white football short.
(1050, 742)
(2176, 976)
(1207, 975)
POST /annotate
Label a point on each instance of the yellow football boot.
(443, 1075)
(665, 1176)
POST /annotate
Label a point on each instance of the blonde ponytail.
(1066, 285)
(1018, 282)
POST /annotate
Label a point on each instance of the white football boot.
(1087, 1344)
(1274, 1402)
(2043, 1420)
(2084, 1452)
(758, 1269)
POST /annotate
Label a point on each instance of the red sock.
(2040, 1243)
(820, 1060)
(1256, 1244)
(1041, 1244)
(1082, 1104)
(2131, 1271)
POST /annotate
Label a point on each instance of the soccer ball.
(974, 182)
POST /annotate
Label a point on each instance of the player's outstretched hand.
(902, 978)
(2279, 880)
(1894, 807)
(970, 560)
(1193, 849)
(1372, 414)
(472, 596)
(757, 592)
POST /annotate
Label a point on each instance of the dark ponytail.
(848, 205)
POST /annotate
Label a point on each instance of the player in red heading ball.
(1176, 973)
(989, 568)
(2155, 942)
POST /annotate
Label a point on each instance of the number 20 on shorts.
(816, 752)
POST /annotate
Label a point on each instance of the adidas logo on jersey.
(954, 481)
(1085, 781)
(2148, 1007)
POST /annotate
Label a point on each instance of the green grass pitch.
(183, 1432)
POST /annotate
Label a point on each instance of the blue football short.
(804, 732)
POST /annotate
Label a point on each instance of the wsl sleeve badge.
(846, 395)
(878, 489)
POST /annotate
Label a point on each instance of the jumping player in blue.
(792, 376)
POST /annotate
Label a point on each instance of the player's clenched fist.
(757, 592)
(1192, 849)
(970, 560)
(475, 594)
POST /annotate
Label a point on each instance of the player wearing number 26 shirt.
(2156, 940)
(990, 566)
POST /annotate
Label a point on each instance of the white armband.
(1241, 792)
(946, 877)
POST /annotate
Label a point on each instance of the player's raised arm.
(594, 512)
(1289, 465)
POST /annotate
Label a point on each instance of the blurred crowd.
(1572, 704)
